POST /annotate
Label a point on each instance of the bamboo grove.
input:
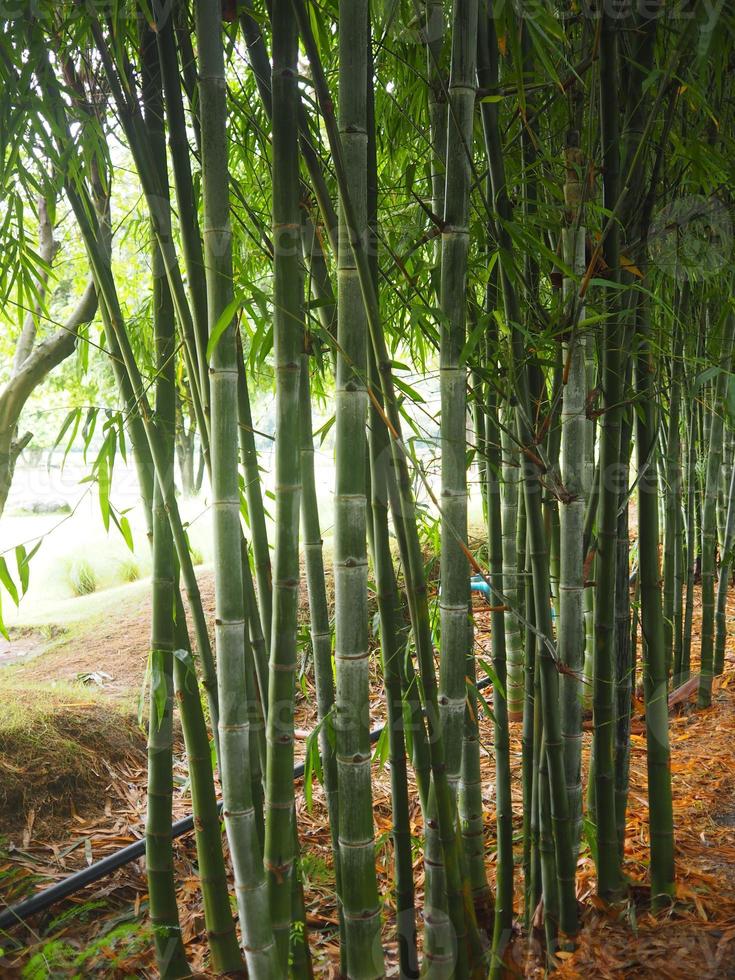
(528, 205)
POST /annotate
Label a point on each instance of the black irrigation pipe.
(15, 914)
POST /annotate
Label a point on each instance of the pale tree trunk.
(33, 361)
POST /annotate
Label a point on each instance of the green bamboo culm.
(167, 603)
(226, 957)
(503, 924)
(538, 552)
(672, 506)
(321, 633)
(723, 583)
(457, 660)
(234, 721)
(140, 131)
(512, 580)
(190, 231)
(393, 631)
(392, 649)
(682, 664)
(170, 955)
(654, 663)
(467, 940)
(436, 94)
(571, 635)
(352, 723)
(709, 510)
(288, 342)
(608, 864)
(456, 636)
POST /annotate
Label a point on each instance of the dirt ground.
(115, 642)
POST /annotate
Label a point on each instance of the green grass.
(81, 577)
(107, 955)
(129, 570)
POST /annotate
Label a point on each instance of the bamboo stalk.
(672, 526)
(170, 955)
(321, 633)
(392, 650)
(279, 850)
(513, 590)
(608, 869)
(503, 809)
(682, 667)
(571, 637)
(226, 957)
(709, 513)
(461, 910)
(393, 635)
(352, 723)
(726, 565)
(531, 728)
(534, 518)
(654, 665)
(457, 659)
(624, 653)
(250, 882)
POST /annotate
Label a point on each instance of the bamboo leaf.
(382, 747)
(3, 630)
(123, 526)
(72, 416)
(223, 322)
(481, 700)
(312, 765)
(490, 671)
(707, 375)
(159, 687)
(730, 399)
(21, 560)
(7, 580)
(103, 484)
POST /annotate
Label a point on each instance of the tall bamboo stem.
(655, 679)
(608, 869)
(573, 505)
(709, 513)
(503, 808)
(250, 882)
(457, 661)
(287, 336)
(352, 723)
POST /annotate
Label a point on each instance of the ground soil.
(115, 643)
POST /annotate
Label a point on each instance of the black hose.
(14, 914)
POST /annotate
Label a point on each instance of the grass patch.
(56, 741)
(129, 570)
(107, 955)
(81, 577)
